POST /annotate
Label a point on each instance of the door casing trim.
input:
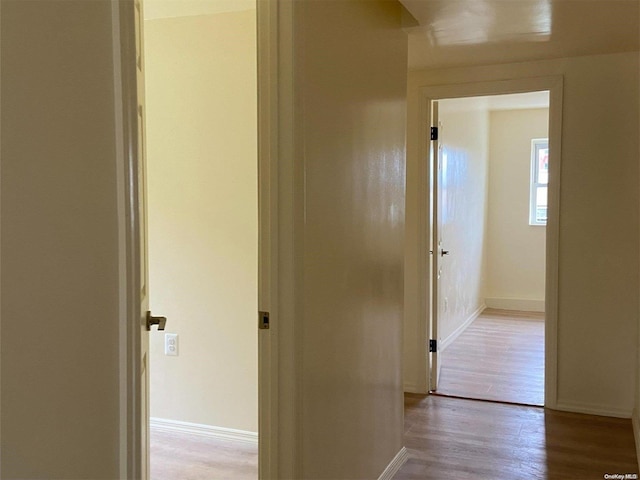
(429, 93)
(278, 183)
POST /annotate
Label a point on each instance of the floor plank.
(500, 356)
(182, 456)
(475, 440)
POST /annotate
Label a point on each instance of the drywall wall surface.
(351, 86)
(598, 254)
(203, 244)
(59, 251)
(515, 249)
(464, 136)
(596, 310)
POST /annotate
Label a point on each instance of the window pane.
(543, 164)
(541, 204)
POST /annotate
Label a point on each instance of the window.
(539, 181)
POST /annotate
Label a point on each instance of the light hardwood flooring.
(181, 456)
(500, 356)
(452, 438)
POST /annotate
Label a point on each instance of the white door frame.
(429, 93)
(281, 195)
(267, 273)
(267, 240)
(279, 226)
(126, 121)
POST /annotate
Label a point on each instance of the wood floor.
(500, 356)
(181, 456)
(447, 438)
(451, 438)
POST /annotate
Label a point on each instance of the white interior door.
(134, 348)
(436, 247)
(140, 229)
(142, 242)
(140, 232)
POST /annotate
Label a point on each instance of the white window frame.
(536, 145)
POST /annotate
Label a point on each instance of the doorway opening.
(490, 244)
(202, 203)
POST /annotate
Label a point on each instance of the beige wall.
(202, 183)
(351, 89)
(515, 249)
(59, 246)
(598, 302)
(465, 147)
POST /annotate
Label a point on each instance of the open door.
(141, 230)
(436, 247)
(147, 320)
(136, 320)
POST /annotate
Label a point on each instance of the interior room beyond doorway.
(202, 174)
(491, 246)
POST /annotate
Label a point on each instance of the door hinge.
(263, 320)
(434, 133)
(433, 346)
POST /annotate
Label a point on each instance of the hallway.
(476, 440)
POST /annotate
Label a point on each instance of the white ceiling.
(473, 32)
(185, 8)
(516, 101)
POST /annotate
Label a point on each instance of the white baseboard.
(165, 425)
(520, 304)
(413, 388)
(395, 464)
(591, 409)
(458, 331)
